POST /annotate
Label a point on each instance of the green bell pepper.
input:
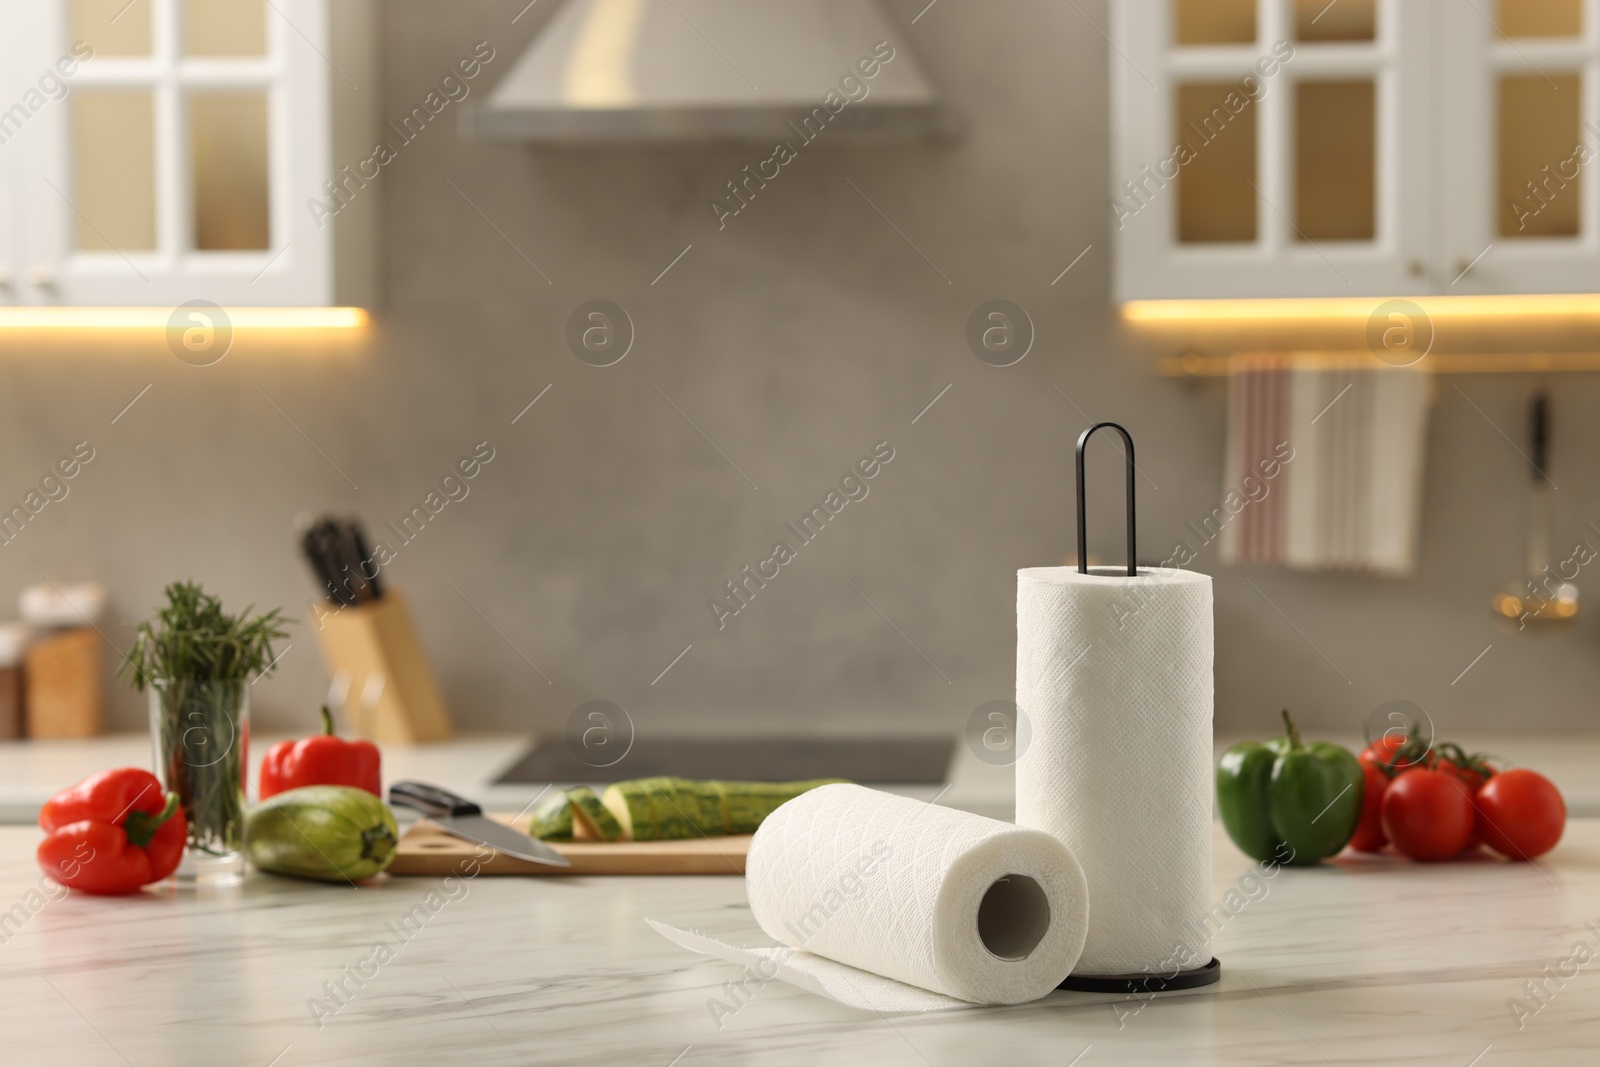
(1285, 796)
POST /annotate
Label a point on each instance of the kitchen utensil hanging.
(1543, 596)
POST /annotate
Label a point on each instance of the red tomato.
(1369, 835)
(1380, 752)
(1520, 814)
(1428, 814)
(1471, 778)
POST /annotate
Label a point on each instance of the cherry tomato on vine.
(1379, 751)
(1471, 777)
(1520, 814)
(1386, 752)
(1369, 835)
(1428, 814)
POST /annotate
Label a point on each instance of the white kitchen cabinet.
(1519, 95)
(9, 90)
(162, 151)
(1281, 148)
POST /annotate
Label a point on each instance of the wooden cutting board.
(427, 850)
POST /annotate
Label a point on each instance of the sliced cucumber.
(592, 820)
(662, 809)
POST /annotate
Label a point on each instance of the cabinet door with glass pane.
(1522, 123)
(176, 163)
(1271, 147)
(11, 91)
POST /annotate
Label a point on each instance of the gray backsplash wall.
(797, 338)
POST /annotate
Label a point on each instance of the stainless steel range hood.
(620, 71)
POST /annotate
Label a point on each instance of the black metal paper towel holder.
(1149, 982)
(1083, 525)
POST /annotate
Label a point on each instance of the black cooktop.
(875, 760)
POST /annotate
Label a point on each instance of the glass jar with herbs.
(198, 664)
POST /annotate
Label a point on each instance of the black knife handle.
(430, 799)
(365, 555)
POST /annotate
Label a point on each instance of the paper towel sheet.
(848, 985)
(880, 900)
(1114, 675)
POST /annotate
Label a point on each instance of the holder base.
(1144, 983)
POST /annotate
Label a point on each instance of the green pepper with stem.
(1287, 800)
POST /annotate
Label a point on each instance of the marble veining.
(1366, 961)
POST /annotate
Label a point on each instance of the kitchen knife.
(311, 545)
(365, 555)
(351, 561)
(347, 582)
(322, 541)
(464, 819)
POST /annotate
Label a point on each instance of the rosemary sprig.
(193, 639)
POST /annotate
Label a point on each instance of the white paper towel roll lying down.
(906, 893)
(1114, 678)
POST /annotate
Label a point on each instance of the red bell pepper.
(321, 760)
(112, 833)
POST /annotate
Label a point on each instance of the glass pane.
(113, 27)
(1541, 18)
(1216, 139)
(1214, 21)
(228, 157)
(1335, 20)
(114, 170)
(1335, 157)
(1540, 155)
(225, 27)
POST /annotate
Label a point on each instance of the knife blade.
(462, 818)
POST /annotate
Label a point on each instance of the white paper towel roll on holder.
(1146, 982)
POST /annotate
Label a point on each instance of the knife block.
(392, 695)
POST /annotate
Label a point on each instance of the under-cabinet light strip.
(1552, 305)
(137, 318)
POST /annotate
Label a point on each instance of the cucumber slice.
(552, 819)
(591, 820)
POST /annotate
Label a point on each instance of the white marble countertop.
(1366, 961)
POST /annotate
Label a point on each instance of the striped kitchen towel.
(1324, 463)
